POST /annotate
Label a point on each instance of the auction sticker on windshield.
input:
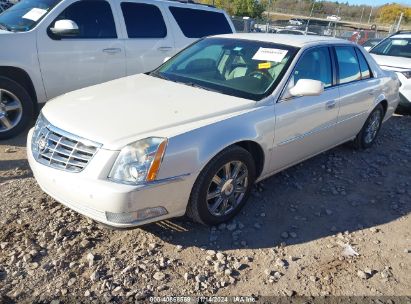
(268, 54)
(35, 14)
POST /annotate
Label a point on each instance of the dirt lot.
(299, 235)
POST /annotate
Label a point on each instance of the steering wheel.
(263, 74)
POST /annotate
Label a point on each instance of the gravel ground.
(337, 224)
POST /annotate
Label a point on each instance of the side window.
(348, 66)
(365, 69)
(195, 23)
(315, 64)
(94, 19)
(143, 20)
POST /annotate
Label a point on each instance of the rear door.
(150, 39)
(93, 56)
(358, 89)
(306, 125)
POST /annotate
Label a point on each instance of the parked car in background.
(296, 21)
(334, 18)
(195, 134)
(370, 43)
(50, 47)
(394, 54)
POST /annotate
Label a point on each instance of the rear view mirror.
(307, 87)
(65, 28)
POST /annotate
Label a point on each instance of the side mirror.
(65, 28)
(166, 59)
(307, 87)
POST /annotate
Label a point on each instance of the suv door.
(150, 39)
(306, 125)
(94, 55)
(358, 89)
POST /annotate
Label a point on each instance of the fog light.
(136, 216)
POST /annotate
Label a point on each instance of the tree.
(390, 12)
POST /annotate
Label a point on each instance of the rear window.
(200, 23)
(143, 20)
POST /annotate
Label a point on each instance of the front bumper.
(91, 194)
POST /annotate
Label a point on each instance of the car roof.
(286, 39)
(401, 35)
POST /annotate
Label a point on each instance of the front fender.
(191, 151)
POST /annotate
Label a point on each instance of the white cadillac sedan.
(194, 135)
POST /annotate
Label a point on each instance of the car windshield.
(398, 47)
(242, 68)
(24, 15)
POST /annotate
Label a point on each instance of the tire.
(200, 209)
(364, 139)
(14, 121)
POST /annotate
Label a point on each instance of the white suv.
(394, 54)
(50, 47)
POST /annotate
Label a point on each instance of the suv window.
(143, 20)
(348, 66)
(315, 64)
(200, 23)
(94, 19)
(365, 69)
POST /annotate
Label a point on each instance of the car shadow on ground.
(337, 191)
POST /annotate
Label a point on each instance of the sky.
(378, 2)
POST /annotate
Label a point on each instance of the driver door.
(93, 56)
(306, 125)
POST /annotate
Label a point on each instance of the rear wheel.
(223, 187)
(16, 108)
(366, 137)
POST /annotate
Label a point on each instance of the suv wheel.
(16, 108)
(223, 187)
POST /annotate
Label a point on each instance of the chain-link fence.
(309, 27)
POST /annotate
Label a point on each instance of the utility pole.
(399, 22)
(369, 18)
(311, 14)
(362, 14)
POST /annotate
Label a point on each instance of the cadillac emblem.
(42, 143)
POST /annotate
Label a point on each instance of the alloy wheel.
(372, 127)
(11, 110)
(227, 188)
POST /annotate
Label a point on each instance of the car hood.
(122, 111)
(393, 63)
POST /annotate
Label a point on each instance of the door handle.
(330, 104)
(112, 51)
(164, 48)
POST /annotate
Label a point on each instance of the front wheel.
(223, 187)
(366, 137)
(16, 108)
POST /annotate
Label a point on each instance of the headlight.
(139, 162)
(407, 74)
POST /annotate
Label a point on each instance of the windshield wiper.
(158, 75)
(4, 27)
(195, 85)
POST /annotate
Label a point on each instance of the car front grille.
(59, 149)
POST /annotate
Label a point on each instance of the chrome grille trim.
(59, 149)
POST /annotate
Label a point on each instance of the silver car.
(194, 135)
